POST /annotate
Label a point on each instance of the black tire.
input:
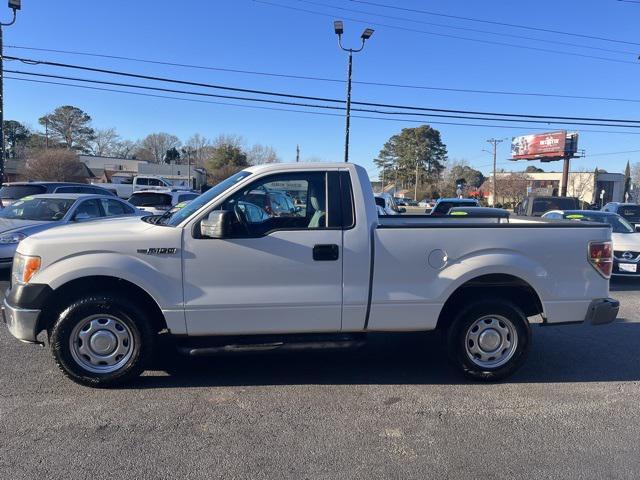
(127, 315)
(467, 318)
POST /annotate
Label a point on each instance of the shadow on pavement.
(624, 284)
(580, 353)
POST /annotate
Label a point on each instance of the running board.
(222, 349)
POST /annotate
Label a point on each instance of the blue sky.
(248, 35)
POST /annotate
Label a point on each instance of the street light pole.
(366, 35)
(14, 5)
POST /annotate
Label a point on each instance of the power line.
(403, 120)
(493, 22)
(299, 104)
(550, 118)
(447, 35)
(467, 29)
(324, 79)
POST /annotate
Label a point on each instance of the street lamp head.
(338, 27)
(366, 35)
(14, 4)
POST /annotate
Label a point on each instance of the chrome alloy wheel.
(491, 341)
(101, 343)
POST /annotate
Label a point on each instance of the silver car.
(35, 213)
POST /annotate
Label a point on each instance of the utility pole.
(366, 35)
(494, 142)
(297, 153)
(14, 5)
(415, 194)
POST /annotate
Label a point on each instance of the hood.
(626, 241)
(92, 230)
(8, 225)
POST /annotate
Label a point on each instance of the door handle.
(325, 253)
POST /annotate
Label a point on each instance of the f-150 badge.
(158, 251)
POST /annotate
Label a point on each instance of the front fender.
(159, 276)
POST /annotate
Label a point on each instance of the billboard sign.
(542, 146)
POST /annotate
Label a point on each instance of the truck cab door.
(273, 270)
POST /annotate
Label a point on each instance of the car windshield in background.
(150, 199)
(543, 205)
(205, 198)
(19, 191)
(41, 209)
(444, 207)
(618, 224)
(630, 212)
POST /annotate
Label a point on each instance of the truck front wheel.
(489, 339)
(102, 340)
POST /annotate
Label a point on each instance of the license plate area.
(628, 267)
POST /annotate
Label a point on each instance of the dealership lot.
(393, 409)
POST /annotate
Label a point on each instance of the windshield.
(41, 209)
(618, 224)
(19, 191)
(205, 198)
(630, 212)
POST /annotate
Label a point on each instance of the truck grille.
(626, 255)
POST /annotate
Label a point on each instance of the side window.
(142, 181)
(69, 190)
(87, 210)
(155, 182)
(114, 208)
(284, 201)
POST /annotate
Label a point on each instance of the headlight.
(24, 267)
(12, 238)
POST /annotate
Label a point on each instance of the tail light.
(601, 257)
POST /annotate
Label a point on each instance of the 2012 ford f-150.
(223, 274)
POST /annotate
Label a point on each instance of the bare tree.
(581, 184)
(635, 181)
(54, 165)
(512, 188)
(154, 146)
(260, 154)
(104, 142)
(199, 148)
(125, 149)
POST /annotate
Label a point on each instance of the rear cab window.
(150, 199)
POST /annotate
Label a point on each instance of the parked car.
(158, 201)
(625, 238)
(443, 205)
(275, 202)
(35, 213)
(629, 211)
(217, 281)
(130, 185)
(390, 206)
(10, 192)
(536, 206)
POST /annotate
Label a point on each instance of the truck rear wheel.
(489, 339)
(102, 340)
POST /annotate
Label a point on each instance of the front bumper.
(21, 322)
(602, 311)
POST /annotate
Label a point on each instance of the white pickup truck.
(223, 274)
(139, 182)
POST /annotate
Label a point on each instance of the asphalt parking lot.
(394, 409)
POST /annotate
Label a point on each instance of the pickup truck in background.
(139, 182)
(222, 275)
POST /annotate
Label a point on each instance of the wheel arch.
(73, 289)
(494, 285)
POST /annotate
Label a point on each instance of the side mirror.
(215, 225)
(402, 210)
(638, 228)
